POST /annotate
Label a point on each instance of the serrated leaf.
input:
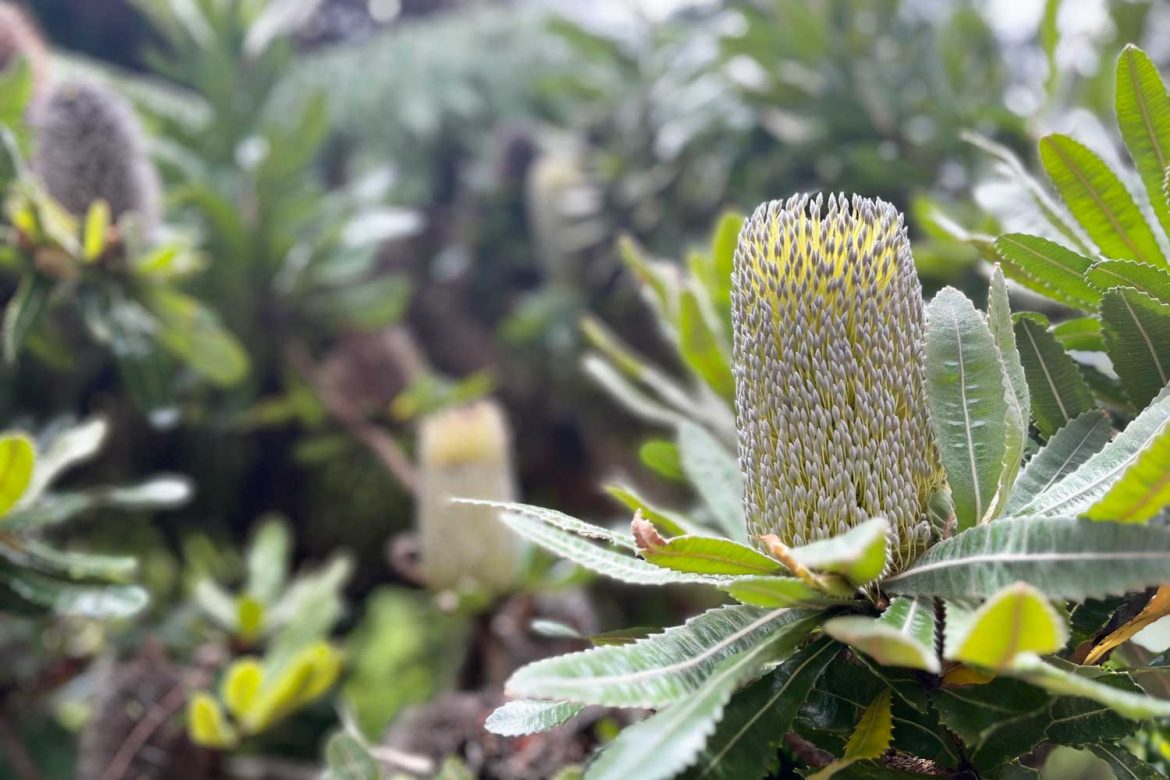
(670, 740)
(859, 555)
(1098, 199)
(1125, 765)
(709, 555)
(870, 739)
(1143, 489)
(558, 520)
(1061, 677)
(748, 736)
(1137, 338)
(1143, 115)
(347, 758)
(700, 347)
(660, 669)
(772, 592)
(1089, 482)
(1017, 619)
(1080, 333)
(715, 474)
(902, 636)
(206, 723)
(1019, 408)
(1145, 278)
(968, 403)
(525, 716)
(1048, 268)
(1059, 392)
(1062, 557)
(667, 522)
(1066, 450)
(17, 463)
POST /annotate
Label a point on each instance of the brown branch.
(151, 722)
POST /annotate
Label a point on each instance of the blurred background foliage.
(403, 206)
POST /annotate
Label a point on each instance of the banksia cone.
(466, 453)
(830, 401)
(89, 146)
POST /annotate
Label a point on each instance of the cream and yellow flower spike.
(830, 401)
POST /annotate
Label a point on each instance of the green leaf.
(859, 555)
(1143, 115)
(700, 347)
(1068, 448)
(24, 311)
(206, 723)
(1061, 677)
(1048, 268)
(1080, 333)
(1143, 490)
(746, 741)
(1099, 201)
(870, 739)
(1154, 282)
(1019, 409)
(715, 474)
(525, 716)
(67, 598)
(666, 521)
(1125, 765)
(1017, 619)
(1088, 483)
(663, 668)
(76, 566)
(76, 444)
(1058, 390)
(662, 457)
(1062, 557)
(347, 758)
(709, 555)
(559, 520)
(968, 403)
(902, 636)
(775, 592)
(97, 225)
(17, 462)
(192, 332)
(670, 740)
(1137, 338)
(268, 560)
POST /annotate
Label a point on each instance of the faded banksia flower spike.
(830, 401)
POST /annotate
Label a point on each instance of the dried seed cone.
(89, 146)
(830, 400)
(466, 453)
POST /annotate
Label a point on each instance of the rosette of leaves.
(124, 285)
(914, 597)
(1099, 250)
(290, 618)
(38, 577)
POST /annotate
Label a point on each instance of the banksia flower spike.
(830, 401)
(465, 452)
(89, 146)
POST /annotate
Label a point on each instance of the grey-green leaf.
(1068, 448)
(1107, 274)
(716, 476)
(1137, 338)
(525, 716)
(1059, 392)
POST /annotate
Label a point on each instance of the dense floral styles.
(830, 400)
(89, 146)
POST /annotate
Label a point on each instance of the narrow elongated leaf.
(858, 555)
(968, 402)
(75, 445)
(664, 668)
(24, 311)
(670, 740)
(1048, 268)
(162, 492)
(1143, 489)
(1143, 115)
(348, 759)
(1019, 407)
(17, 462)
(618, 565)
(708, 555)
(746, 741)
(524, 716)
(1080, 333)
(1062, 557)
(1154, 282)
(1125, 765)
(1137, 338)
(716, 476)
(772, 592)
(1067, 679)
(1070, 447)
(1058, 390)
(700, 347)
(558, 520)
(1081, 489)
(902, 636)
(1017, 619)
(871, 738)
(66, 598)
(667, 522)
(1099, 200)
(75, 566)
